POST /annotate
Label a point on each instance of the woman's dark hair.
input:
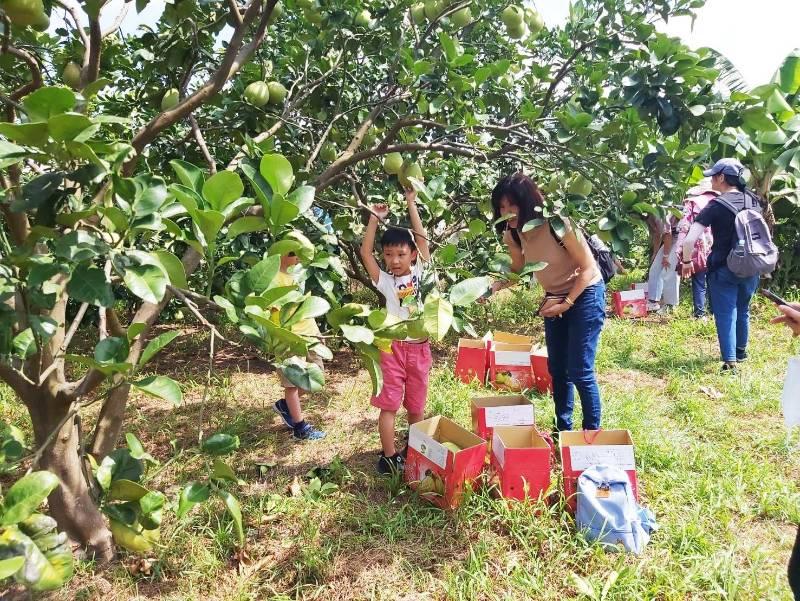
(737, 181)
(395, 236)
(522, 192)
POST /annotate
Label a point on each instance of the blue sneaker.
(283, 410)
(305, 431)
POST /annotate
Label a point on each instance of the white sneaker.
(653, 306)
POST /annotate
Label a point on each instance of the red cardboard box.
(510, 366)
(521, 459)
(437, 473)
(472, 361)
(541, 372)
(581, 450)
(505, 410)
(630, 303)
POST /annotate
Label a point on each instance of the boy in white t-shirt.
(406, 368)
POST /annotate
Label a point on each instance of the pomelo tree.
(112, 197)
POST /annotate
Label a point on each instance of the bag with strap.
(702, 248)
(601, 253)
(607, 511)
(753, 252)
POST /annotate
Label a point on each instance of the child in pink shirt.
(406, 368)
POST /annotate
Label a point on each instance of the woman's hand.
(381, 211)
(665, 262)
(791, 317)
(554, 307)
(496, 287)
(687, 270)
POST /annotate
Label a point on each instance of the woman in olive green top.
(574, 305)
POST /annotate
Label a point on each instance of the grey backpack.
(753, 251)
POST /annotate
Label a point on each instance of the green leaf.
(467, 292)
(477, 227)
(788, 75)
(302, 197)
(113, 349)
(532, 224)
(606, 224)
(263, 273)
(79, 246)
(222, 471)
(151, 193)
(192, 495)
(148, 282)
(278, 173)
(220, 444)
(10, 565)
(260, 187)
(437, 316)
(48, 554)
(756, 118)
(123, 465)
(126, 490)
(303, 374)
(312, 307)
(46, 102)
(371, 358)
(161, 387)
(173, 267)
(282, 212)
(26, 495)
(44, 327)
(232, 505)
(134, 330)
(90, 285)
(156, 345)
(245, 225)
(190, 175)
(357, 333)
(447, 254)
(67, 126)
(136, 449)
(206, 226)
(93, 88)
(222, 188)
(30, 134)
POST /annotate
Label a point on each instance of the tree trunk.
(109, 423)
(71, 504)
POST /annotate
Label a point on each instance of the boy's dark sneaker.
(391, 465)
(283, 410)
(305, 431)
(728, 368)
(741, 354)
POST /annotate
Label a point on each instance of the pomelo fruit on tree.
(505, 81)
(580, 186)
(277, 92)
(170, 99)
(461, 18)
(534, 20)
(72, 75)
(629, 198)
(277, 13)
(42, 24)
(363, 19)
(517, 32)
(513, 16)
(432, 9)
(393, 163)
(418, 13)
(23, 12)
(328, 152)
(257, 93)
(409, 169)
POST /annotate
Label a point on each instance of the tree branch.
(91, 58)
(562, 72)
(201, 142)
(36, 75)
(73, 12)
(118, 20)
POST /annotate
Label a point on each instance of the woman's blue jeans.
(699, 293)
(730, 303)
(571, 348)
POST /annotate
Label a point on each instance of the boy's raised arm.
(420, 236)
(368, 243)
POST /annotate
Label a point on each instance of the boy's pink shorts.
(405, 370)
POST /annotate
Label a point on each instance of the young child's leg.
(418, 368)
(386, 421)
(388, 401)
(292, 412)
(292, 396)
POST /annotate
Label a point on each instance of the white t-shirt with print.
(396, 288)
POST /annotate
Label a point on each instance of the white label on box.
(512, 358)
(631, 295)
(428, 447)
(790, 400)
(640, 286)
(499, 449)
(620, 456)
(510, 415)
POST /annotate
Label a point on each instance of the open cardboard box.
(541, 371)
(437, 473)
(504, 410)
(472, 360)
(630, 303)
(521, 459)
(510, 366)
(581, 450)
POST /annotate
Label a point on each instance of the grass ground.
(714, 461)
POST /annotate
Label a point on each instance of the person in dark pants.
(791, 317)
(574, 304)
